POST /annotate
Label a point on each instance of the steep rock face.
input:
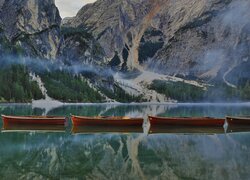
(210, 44)
(79, 46)
(196, 38)
(118, 26)
(31, 27)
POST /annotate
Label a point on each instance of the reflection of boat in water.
(106, 120)
(238, 128)
(185, 130)
(32, 128)
(186, 121)
(238, 120)
(104, 129)
(47, 120)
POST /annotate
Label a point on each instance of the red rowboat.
(186, 121)
(106, 120)
(238, 120)
(48, 120)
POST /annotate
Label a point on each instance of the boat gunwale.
(34, 117)
(238, 117)
(111, 118)
(185, 118)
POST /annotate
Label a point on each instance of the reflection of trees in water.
(19, 109)
(29, 155)
(125, 156)
(211, 110)
(51, 156)
(199, 157)
(112, 110)
(133, 110)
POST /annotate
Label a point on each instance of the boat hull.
(238, 120)
(48, 120)
(186, 121)
(107, 121)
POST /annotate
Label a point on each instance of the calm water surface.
(107, 154)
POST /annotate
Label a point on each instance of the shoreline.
(135, 103)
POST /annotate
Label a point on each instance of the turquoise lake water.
(132, 153)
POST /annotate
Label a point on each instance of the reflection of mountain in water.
(137, 110)
(60, 155)
(134, 110)
(28, 155)
(115, 109)
(197, 157)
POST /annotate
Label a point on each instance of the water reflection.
(105, 129)
(32, 128)
(125, 156)
(100, 153)
(186, 130)
(133, 110)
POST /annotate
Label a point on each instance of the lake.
(106, 153)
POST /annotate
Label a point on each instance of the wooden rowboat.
(186, 121)
(48, 120)
(238, 120)
(106, 120)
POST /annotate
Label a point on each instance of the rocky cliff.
(30, 27)
(194, 38)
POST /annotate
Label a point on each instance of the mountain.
(204, 39)
(30, 28)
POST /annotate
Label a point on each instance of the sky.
(69, 8)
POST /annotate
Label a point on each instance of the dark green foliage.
(16, 85)
(153, 32)
(85, 39)
(115, 61)
(69, 31)
(77, 34)
(245, 91)
(97, 49)
(150, 43)
(66, 87)
(10, 48)
(120, 95)
(148, 50)
(221, 92)
(125, 54)
(218, 92)
(178, 90)
(5, 45)
(199, 21)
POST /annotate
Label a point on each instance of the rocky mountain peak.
(33, 25)
(172, 37)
